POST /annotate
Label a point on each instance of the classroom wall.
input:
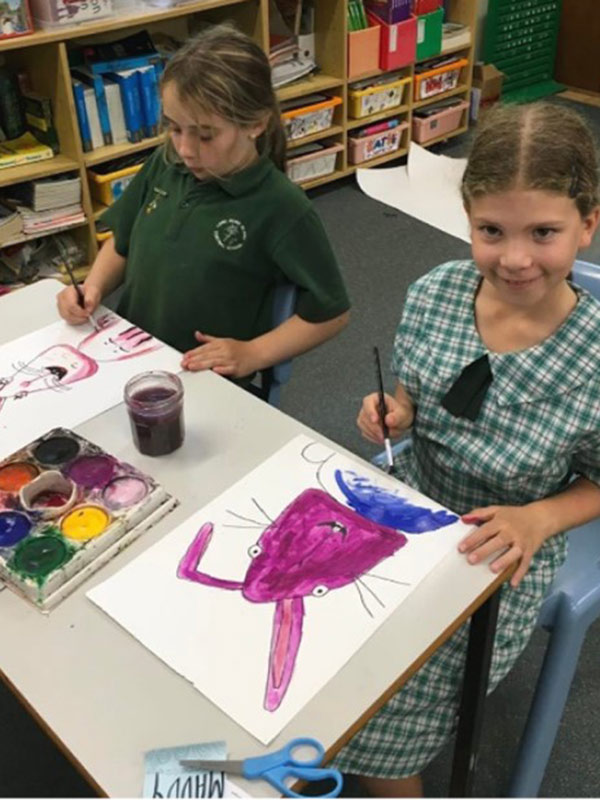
(577, 51)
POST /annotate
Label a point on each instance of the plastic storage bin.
(378, 97)
(425, 6)
(429, 34)
(364, 148)
(52, 13)
(398, 44)
(437, 124)
(310, 161)
(363, 49)
(439, 79)
(308, 115)
(106, 188)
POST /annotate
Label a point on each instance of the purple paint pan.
(92, 472)
(124, 491)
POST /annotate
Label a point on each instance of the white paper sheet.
(62, 375)
(427, 187)
(318, 553)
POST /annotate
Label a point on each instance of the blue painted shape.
(14, 526)
(388, 508)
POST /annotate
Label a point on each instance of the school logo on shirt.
(230, 234)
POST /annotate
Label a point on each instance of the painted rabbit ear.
(317, 453)
(389, 508)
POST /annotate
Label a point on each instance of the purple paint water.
(155, 404)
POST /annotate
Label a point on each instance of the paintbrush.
(382, 413)
(80, 297)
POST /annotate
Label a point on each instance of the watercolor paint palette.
(66, 508)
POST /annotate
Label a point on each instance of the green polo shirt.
(207, 255)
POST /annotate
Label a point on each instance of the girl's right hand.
(68, 304)
(398, 418)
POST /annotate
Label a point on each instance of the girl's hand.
(516, 533)
(398, 418)
(229, 357)
(68, 303)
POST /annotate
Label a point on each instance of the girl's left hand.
(516, 532)
(229, 357)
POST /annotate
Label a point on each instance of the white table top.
(101, 694)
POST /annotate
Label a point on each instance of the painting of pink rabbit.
(268, 590)
(62, 375)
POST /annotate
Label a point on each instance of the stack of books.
(23, 150)
(47, 204)
(49, 193)
(455, 34)
(115, 86)
(35, 222)
(39, 118)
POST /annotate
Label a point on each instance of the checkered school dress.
(539, 425)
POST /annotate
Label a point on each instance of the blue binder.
(82, 117)
(149, 100)
(95, 81)
(130, 97)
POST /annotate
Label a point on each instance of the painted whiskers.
(315, 545)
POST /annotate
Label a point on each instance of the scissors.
(278, 766)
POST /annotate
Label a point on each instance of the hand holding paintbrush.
(80, 296)
(383, 412)
(383, 416)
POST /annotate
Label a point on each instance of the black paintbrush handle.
(382, 406)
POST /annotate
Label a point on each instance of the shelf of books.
(80, 105)
(60, 31)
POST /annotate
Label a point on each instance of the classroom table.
(106, 699)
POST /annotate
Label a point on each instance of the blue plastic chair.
(570, 607)
(273, 378)
(572, 604)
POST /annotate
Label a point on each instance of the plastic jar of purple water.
(155, 403)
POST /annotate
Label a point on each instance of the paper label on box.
(393, 38)
(420, 31)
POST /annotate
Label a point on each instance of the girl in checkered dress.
(498, 366)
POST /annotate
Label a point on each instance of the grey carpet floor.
(381, 251)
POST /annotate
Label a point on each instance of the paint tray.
(66, 508)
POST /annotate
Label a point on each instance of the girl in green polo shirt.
(210, 226)
(498, 369)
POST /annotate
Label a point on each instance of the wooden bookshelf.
(107, 153)
(37, 169)
(43, 55)
(119, 23)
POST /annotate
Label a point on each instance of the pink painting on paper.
(315, 545)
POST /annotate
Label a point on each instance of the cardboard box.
(363, 49)
(487, 87)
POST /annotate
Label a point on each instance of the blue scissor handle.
(277, 777)
(255, 767)
(276, 767)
